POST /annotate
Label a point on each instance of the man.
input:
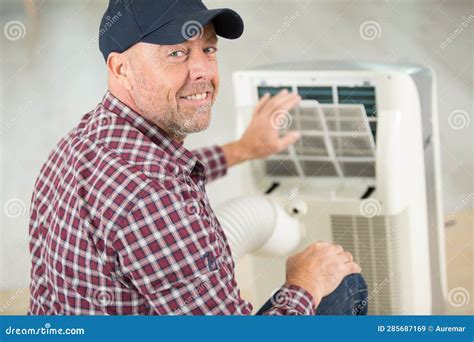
(111, 231)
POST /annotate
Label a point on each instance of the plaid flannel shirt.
(120, 224)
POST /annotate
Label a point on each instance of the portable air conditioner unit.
(366, 170)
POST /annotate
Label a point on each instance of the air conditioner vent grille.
(364, 95)
(379, 245)
(336, 142)
(359, 95)
(320, 94)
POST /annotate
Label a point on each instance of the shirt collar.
(159, 137)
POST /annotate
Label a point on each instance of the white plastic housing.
(396, 232)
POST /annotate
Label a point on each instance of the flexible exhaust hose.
(258, 224)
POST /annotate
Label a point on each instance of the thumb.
(289, 139)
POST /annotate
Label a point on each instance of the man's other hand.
(320, 268)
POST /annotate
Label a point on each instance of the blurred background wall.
(52, 73)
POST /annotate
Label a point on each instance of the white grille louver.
(336, 142)
(379, 245)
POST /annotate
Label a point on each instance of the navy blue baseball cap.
(164, 22)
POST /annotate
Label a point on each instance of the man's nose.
(200, 67)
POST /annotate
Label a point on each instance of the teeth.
(199, 96)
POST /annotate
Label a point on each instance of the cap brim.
(227, 23)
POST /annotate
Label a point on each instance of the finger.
(281, 97)
(321, 243)
(263, 100)
(346, 257)
(289, 139)
(321, 247)
(351, 267)
(336, 248)
(291, 103)
(285, 102)
(281, 93)
(275, 98)
(287, 106)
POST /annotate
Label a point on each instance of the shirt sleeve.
(170, 254)
(214, 160)
(291, 300)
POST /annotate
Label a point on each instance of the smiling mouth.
(197, 96)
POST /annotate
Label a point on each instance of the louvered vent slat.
(379, 246)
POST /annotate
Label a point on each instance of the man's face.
(175, 86)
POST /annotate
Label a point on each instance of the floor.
(459, 256)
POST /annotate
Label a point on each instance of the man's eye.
(210, 50)
(177, 54)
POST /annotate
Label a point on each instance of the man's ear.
(119, 67)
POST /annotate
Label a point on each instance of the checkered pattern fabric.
(121, 224)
